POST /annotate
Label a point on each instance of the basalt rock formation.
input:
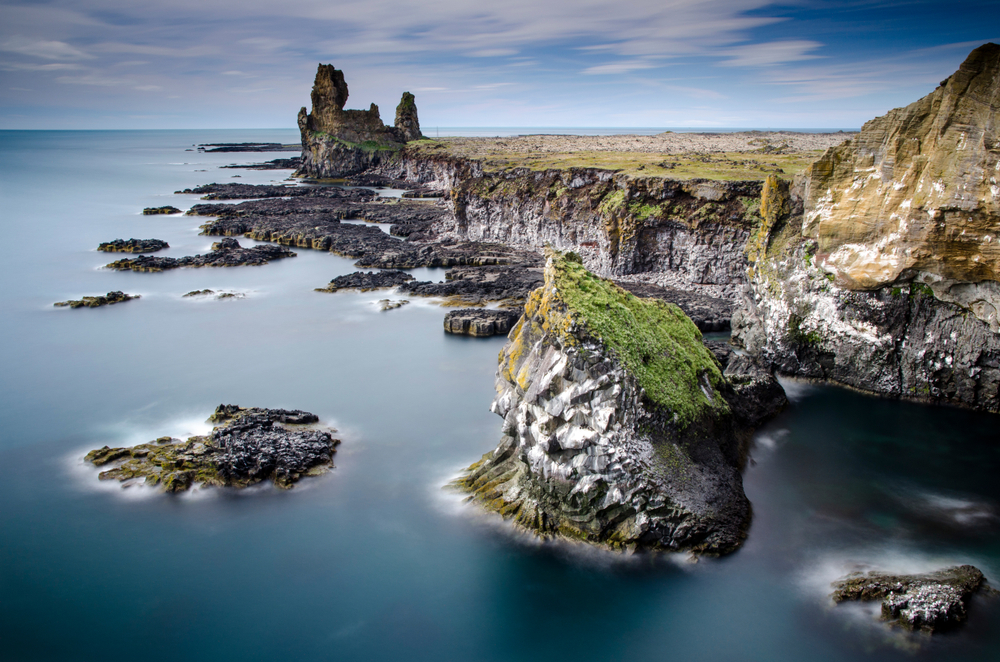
(931, 602)
(94, 302)
(225, 253)
(365, 282)
(618, 424)
(879, 269)
(155, 211)
(251, 445)
(480, 323)
(133, 246)
(338, 142)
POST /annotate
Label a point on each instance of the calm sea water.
(375, 560)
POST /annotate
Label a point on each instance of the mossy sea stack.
(617, 430)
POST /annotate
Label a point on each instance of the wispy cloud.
(618, 68)
(771, 53)
(42, 48)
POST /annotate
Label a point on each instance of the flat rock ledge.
(365, 282)
(133, 246)
(250, 446)
(931, 602)
(154, 211)
(225, 253)
(94, 302)
(480, 323)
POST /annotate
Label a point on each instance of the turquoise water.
(374, 560)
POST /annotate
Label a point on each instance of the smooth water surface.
(375, 560)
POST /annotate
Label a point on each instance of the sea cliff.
(618, 425)
(878, 268)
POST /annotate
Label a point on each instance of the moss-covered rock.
(617, 428)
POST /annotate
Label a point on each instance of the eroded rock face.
(878, 269)
(917, 190)
(931, 602)
(617, 429)
(251, 445)
(338, 142)
(480, 323)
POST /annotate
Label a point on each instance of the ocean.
(376, 560)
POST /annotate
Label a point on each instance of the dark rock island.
(94, 302)
(225, 253)
(133, 246)
(931, 602)
(251, 445)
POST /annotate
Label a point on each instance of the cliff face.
(692, 233)
(338, 142)
(617, 429)
(879, 269)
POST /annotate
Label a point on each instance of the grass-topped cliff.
(654, 340)
(747, 156)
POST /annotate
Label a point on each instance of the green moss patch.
(655, 340)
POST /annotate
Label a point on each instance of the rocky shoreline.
(224, 253)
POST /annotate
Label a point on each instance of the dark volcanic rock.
(931, 602)
(93, 302)
(225, 253)
(256, 191)
(275, 164)
(248, 147)
(153, 211)
(753, 393)
(251, 445)
(424, 193)
(472, 285)
(376, 180)
(708, 313)
(133, 246)
(478, 322)
(373, 280)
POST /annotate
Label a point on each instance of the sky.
(151, 64)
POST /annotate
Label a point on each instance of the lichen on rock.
(617, 429)
(251, 445)
(930, 602)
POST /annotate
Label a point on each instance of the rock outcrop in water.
(931, 602)
(338, 142)
(618, 427)
(95, 302)
(133, 246)
(251, 445)
(224, 253)
(879, 269)
(480, 323)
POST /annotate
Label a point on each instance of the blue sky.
(99, 64)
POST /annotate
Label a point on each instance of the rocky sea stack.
(880, 269)
(338, 142)
(931, 602)
(618, 428)
(251, 445)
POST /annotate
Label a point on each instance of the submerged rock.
(618, 427)
(391, 304)
(225, 253)
(153, 211)
(931, 602)
(251, 445)
(133, 246)
(93, 302)
(481, 323)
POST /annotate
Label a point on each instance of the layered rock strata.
(365, 282)
(878, 269)
(480, 323)
(618, 428)
(94, 302)
(251, 445)
(931, 602)
(338, 142)
(224, 253)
